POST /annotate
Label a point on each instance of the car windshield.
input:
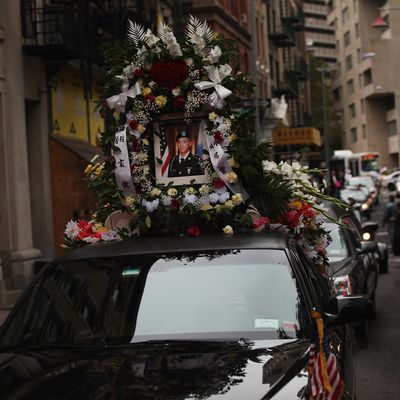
(338, 248)
(358, 195)
(239, 294)
(362, 180)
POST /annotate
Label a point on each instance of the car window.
(339, 248)
(250, 294)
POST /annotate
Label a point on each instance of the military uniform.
(190, 166)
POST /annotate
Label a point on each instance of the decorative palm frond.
(195, 27)
(136, 33)
(162, 30)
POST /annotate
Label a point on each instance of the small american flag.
(325, 380)
(165, 156)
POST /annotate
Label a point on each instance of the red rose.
(260, 222)
(138, 73)
(149, 98)
(179, 102)
(169, 74)
(174, 204)
(218, 183)
(86, 229)
(133, 124)
(193, 231)
(218, 137)
(135, 147)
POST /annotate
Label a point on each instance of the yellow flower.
(190, 191)
(146, 91)
(233, 137)
(228, 230)
(88, 169)
(237, 199)
(172, 192)
(116, 115)
(204, 190)
(229, 204)
(161, 101)
(297, 204)
(155, 192)
(141, 128)
(130, 201)
(206, 207)
(212, 116)
(99, 170)
(231, 177)
(234, 163)
(145, 142)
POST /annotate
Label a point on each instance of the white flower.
(151, 206)
(214, 55)
(213, 198)
(172, 45)
(198, 42)
(190, 199)
(90, 240)
(109, 236)
(141, 52)
(72, 230)
(286, 169)
(166, 200)
(269, 166)
(203, 200)
(189, 61)
(151, 39)
(176, 91)
(223, 197)
(228, 230)
(296, 166)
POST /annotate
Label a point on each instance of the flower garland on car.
(156, 74)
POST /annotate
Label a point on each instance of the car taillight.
(342, 286)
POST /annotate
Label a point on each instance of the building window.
(352, 110)
(367, 77)
(353, 133)
(345, 15)
(362, 106)
(349, 62)
(337, 93)
(338, 70)
(350, 86)
(346, 38)
(392, 128)
(359, 56)
(357, 30)
(364, 131)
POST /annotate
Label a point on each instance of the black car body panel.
(52, 351)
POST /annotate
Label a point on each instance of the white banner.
(222, 166)
(122, 165)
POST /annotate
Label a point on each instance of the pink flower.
(193, 231)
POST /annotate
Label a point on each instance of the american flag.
(325, 380)
(165, 156)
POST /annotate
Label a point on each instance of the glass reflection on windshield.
(338, 248)
(250, 294)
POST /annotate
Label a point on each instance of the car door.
(365, 269)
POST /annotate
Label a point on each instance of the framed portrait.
(178, 149)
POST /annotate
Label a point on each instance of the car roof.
(178, 244)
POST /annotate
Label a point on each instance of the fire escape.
(286, 36)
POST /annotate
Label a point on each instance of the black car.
(173, 318)
(353, 261)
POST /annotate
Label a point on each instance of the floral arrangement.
(154, 74)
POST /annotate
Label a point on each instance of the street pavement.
(378, 366)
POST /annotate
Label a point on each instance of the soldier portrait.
(179, 149)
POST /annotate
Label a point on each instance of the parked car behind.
(389, 181)
(367, 182)
(361, 202)
(173, 318)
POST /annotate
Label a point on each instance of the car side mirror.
(351, 309)
(367, 247)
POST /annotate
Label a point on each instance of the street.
(378, 376)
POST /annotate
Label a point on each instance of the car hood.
(167, 370)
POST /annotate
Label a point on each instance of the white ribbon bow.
(216, 76)
(118, 101)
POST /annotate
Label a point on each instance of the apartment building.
(366, 85)
(319, 35)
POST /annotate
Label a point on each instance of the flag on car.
(325, 381)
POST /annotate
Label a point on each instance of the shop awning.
(306, 136)
(83, 149)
